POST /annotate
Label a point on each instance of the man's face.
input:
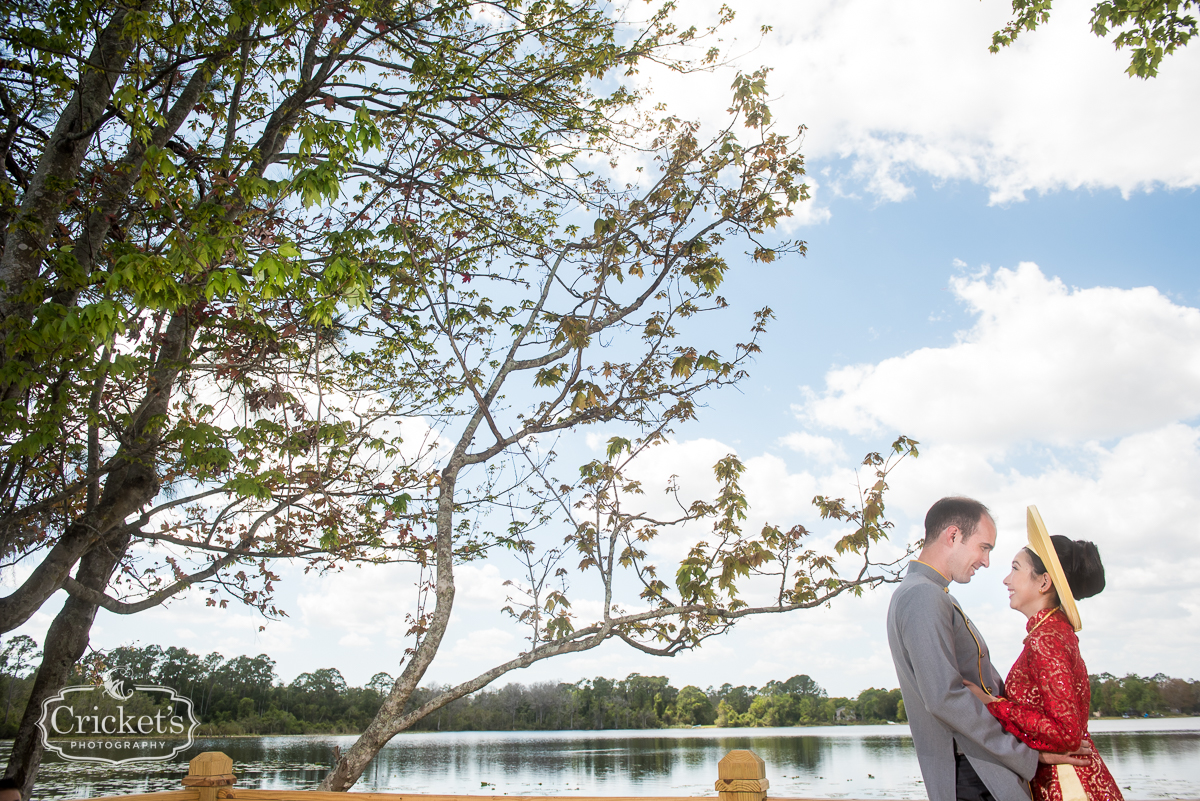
(10, 794)
(968, 556)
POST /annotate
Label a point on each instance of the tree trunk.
(131, 483)
(8, 700)
(65, 643)
(390, 719)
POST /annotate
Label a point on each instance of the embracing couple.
(977, 737)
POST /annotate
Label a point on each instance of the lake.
(1154, 758)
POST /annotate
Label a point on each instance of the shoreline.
(676, 731)
(665, 729)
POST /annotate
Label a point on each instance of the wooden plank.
(220, 780)
(238, 794)
(165, 795)
(737, 785)
(314, 795)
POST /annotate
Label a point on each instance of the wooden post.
(743, 777)
(208, 772)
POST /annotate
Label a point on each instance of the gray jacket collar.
(922, 569)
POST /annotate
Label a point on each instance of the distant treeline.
(651, 702)
(243, 695)
(1137, 695)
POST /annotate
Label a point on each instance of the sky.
(1001, 265)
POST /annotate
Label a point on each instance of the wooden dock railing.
(741, 776)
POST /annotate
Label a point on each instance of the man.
(963, 751)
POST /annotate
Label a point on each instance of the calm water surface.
(1150, 759)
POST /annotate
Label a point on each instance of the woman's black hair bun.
(1080, 560)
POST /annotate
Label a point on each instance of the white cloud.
(689, 463)
(1043, 362)
(480, 586)
(823, 449)
(842, 647)
(484, 648)
(277, 637)
(354, 640)
(362, 605)
(189, 623)
(895, 90)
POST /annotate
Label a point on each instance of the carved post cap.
(741, 764)
(743, 777)
(210, 763)
(209, 771)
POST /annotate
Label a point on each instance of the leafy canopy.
(1149, 29)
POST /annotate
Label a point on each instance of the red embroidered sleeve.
(1044, 709)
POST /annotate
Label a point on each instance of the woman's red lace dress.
(1046, 706)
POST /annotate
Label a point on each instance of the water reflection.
(828, 762)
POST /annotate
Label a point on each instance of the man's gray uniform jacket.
(935, 647)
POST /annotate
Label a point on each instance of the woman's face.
(1028, 592)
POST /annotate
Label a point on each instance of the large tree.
(319, 282)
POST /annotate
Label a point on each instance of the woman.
(1048, 695)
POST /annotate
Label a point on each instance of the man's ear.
(953, 531)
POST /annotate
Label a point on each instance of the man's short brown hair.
(9, 785)
(965, 513)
